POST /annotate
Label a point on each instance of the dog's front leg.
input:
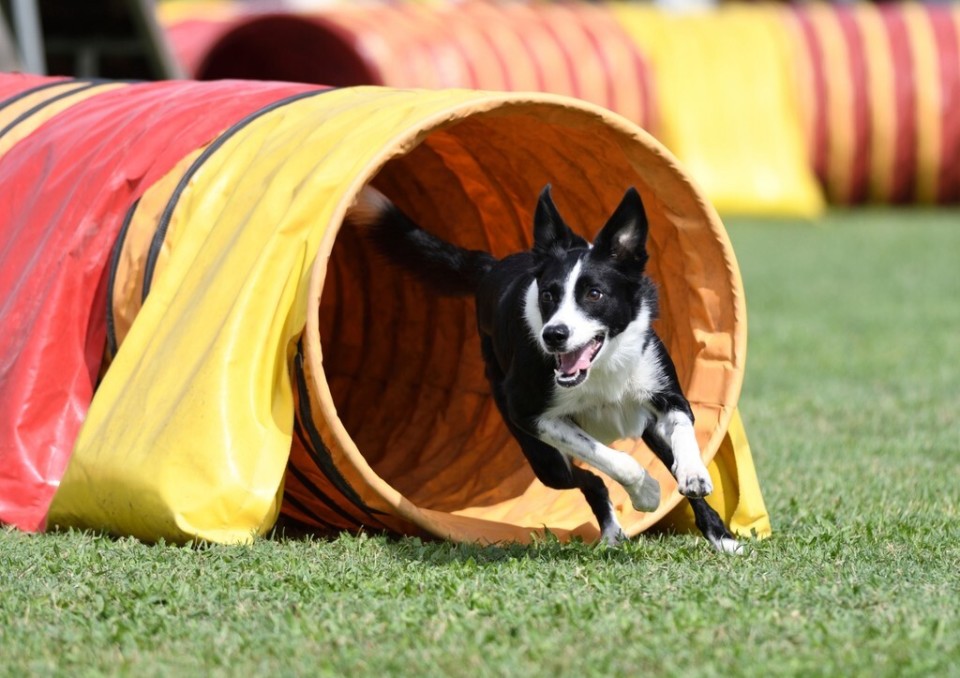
(563, 434)
(672, 439)
(675, 429)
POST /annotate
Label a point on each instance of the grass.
(851, 403)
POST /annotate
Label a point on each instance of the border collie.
(572, 360)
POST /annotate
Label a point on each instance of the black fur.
(452, 270)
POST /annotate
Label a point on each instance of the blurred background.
(774, 109)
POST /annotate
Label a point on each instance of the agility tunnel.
(878, 89)
(573, 49)
(727, 105)
(671, 74)
(761, 103)
(75, 155)
(197, 342)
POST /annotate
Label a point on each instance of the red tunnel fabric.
(63, 195)
(574, 49)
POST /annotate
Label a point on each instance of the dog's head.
(584, 297)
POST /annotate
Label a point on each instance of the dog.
(569, 351)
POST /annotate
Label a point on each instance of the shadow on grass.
(432, 550)
(655, 545)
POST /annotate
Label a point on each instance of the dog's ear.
(624, 236)
(550, 231)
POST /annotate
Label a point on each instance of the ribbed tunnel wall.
(434, 435)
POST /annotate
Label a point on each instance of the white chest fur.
(614, 401)
(615, 421)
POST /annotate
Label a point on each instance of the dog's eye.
(546, 297)
(594, 294)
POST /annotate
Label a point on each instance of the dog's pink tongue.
(574, 361)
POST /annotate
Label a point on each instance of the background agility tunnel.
(745, 151)
(260, 357)
(878, 88)
(573, 49)
(868, 90)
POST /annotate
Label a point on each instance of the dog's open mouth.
(573, 366)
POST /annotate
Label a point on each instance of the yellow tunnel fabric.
(728, 106)
(267, 322)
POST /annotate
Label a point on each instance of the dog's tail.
(449, 270)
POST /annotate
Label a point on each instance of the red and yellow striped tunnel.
(735, 92)
(574, 49)
(258, 358)
(879, 91)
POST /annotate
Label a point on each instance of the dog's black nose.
(555, 336)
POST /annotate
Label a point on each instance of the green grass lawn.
(852, 406)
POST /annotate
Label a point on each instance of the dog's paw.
(613, 536)
(727, 545)
(645, 493)
(694, 482)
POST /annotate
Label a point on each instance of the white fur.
(613, 401)
(370, 204)
(531, 313)
(564, 435)
(612, 533)
(727, 545)
(693, 479)
(582, 327)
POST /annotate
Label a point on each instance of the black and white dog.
(565, 330)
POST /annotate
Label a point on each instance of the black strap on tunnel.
(33, 110)
(315, 491)
(112, 266)
(164, 222)
(306, 510)
(314, 443)
(33, 90)
(90, 84)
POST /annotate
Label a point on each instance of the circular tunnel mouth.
(402, 363)
(289, 48)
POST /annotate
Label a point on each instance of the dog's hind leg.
(598, 497)
(711, 525)
(708, 521)
(556, 472)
